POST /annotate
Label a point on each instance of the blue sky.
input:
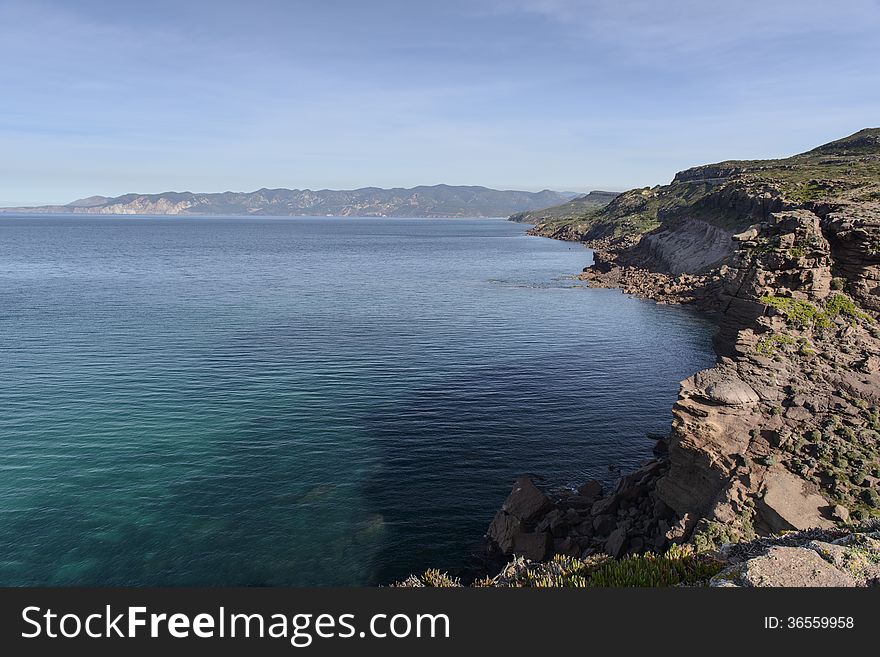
(102, 97)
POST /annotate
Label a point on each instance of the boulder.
(579, 502)
(512, 538)
(554, 518)
(535, 546)
(526, 502)
(798, 414)
(787, 504)
(607, 505)
(603, 524)
(503, 531)
(840, 512)
(616, 543)
(591, 490)
(731, 392)
(567, 546)
(747, 235)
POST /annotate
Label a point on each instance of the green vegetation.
(724, 194)
(797, 312)
(842, 457)
(804, 314)
(797, 252)
(842, 306)
(811, 190)
(679, 566)
(632, 213)
(710, 535)
(433, 578)
(572, 210)
(770, 345)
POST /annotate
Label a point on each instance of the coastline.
(782, 434)
(626, 518)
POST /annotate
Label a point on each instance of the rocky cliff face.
(784, 432)
(685, 245)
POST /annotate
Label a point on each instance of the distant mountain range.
(423, 201)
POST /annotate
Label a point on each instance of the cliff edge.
(783, 433)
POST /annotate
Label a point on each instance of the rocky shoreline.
(783, 434)
(611, 270)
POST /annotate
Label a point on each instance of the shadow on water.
(460, 441)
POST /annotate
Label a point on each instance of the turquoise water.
(299, 401)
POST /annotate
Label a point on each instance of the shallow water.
(299, 401)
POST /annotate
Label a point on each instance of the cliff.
(659, 228)
(784, 432)
(424, 201)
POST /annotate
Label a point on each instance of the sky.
(108, 97)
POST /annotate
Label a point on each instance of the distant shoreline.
(440, 201)
(7, 213)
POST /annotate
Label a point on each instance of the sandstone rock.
(870, 364)
(798, 413)
(747, 235)
(723, 387)
(786, 504)
(784, 567)
(855, 556)
(840, 512)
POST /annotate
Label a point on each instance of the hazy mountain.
(423, 201)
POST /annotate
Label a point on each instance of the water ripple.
(303, 401)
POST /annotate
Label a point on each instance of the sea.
(287, 401)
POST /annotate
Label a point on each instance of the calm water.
(303, 401)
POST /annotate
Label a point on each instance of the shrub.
(679, 566)
(804, 315)
(840, 305)
(769, 345)
(798, 312)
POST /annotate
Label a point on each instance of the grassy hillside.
(573, 209)
(730, 194)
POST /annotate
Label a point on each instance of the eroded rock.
(784, 567)
(787, 504)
